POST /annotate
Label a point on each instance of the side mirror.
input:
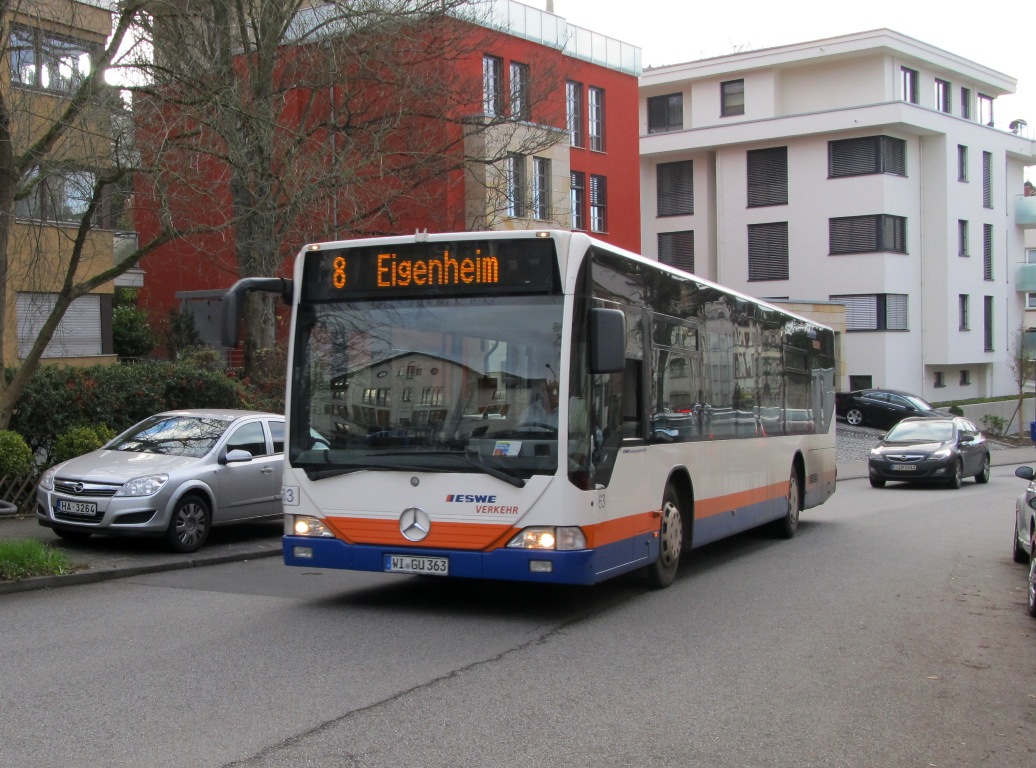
(1025, 473)
(607, 340)
(236, 456)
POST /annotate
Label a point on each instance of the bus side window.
(632, 402)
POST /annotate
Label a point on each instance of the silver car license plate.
(77, 508)
(431, 566)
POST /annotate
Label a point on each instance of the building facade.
(547, 114)
(48, 51)
(862, 170)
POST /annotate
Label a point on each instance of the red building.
(537, 129)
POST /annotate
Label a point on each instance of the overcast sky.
(997, 36)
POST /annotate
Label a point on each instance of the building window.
(78, 333)
(578, 186)
(574, 104)
(860, 382)
(866, 155)
(965, 103)
(541, 188)
(64, 196)
(962, 238)
(516, 186)
(908, 84)
(987, 323)
(492, 85)
(767, 177)
(598, 204)
(677, 249)
(962, 163)
(987, 251)
(987, 179)
(41, 60)
(962, 312)
(939, 382)
(985, 109)
(1030, 300)
(665, 113)
(675, 186)
(942, 95)
(965, 378)
(733, 98)
(874, 312)
(1030, 255)
(867, 234)
(595, 118)
(519, 91)
(768, 251)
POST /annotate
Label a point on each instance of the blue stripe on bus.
(576, 567)
(716, 527)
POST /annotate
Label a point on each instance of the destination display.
(465, 267)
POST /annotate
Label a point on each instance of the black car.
(926, 450)
(883, 407)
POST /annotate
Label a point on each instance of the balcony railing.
(1025, 210)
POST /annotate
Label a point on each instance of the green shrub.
(994, 425)
(80, 440)
(956, 410)
(15, 454)
(60, 398)
(131, 334)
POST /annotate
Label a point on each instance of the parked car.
(173, 475)
(930, 450)
(883, 407)
(1024, 539)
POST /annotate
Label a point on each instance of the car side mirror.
(236, 456)
(1025, 473)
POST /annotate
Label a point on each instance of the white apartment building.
(861, 169)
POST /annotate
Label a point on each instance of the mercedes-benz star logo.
(414, 523)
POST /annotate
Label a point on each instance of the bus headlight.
(304, 525)
(562, 538)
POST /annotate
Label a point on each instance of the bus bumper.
(550, 567)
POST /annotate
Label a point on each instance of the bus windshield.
(463, 384)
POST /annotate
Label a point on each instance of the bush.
(131, 334)
(80, 440)
(15, 454)
(956, 410)
(60, 398)
(994, 425)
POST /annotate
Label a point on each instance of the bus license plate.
(431, 566)
(77, 508)
(904, 467)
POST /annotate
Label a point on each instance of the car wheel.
(789, 524)
(189, 527)
(1032, 582)
(73, 534)
(854, 416)
(662, 572)
(958, 475)
(1019, 553)
(877, 482)
(983, 475)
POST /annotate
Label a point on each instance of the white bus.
(538, 406)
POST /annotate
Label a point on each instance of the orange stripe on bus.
(720, 504)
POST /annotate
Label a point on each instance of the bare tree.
(65, 160)
(1023, 368)
(308, 121)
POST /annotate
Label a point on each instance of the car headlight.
(876, 453)
(548, 537)
(148, 485)
(942, 453)
(304, 525)
(47, 480)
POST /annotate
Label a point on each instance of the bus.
(537, 406)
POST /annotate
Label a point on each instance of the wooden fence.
(20, 492)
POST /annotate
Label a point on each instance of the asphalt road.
(890, 632)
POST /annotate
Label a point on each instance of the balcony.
(1025, 210)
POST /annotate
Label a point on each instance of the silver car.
(174, 475)
(1023, 542)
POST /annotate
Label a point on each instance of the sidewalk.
(102, 557)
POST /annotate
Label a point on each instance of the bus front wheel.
(662, 572)
(789, 524)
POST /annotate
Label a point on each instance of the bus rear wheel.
(662, 572)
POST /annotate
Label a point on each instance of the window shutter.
(768, 251)
(677, 249)
(675, 184)
(77, 335)
(866, 155)
(896, 312)
(767, 177)
(987, 180)
(861, 312)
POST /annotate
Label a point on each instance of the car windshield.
(191, 436)
(929, 431)
(918, 403)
